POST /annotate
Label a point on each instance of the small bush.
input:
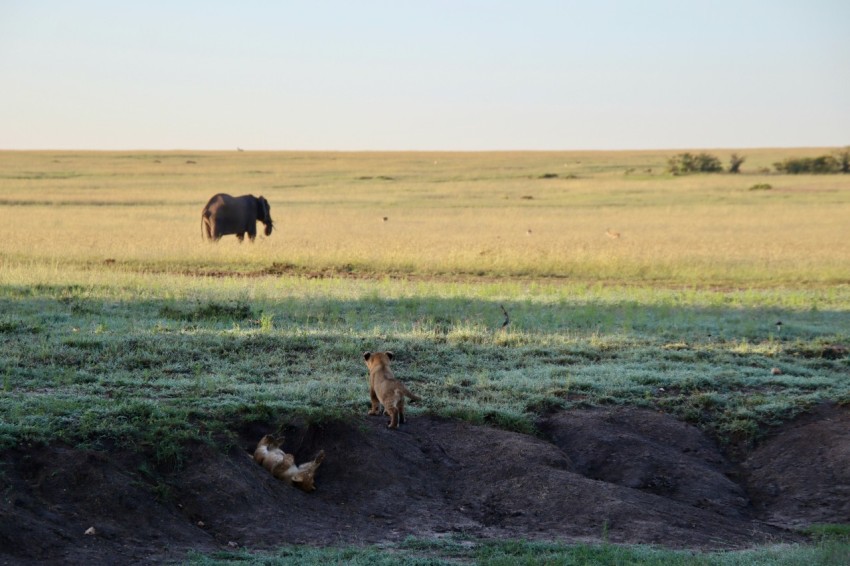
(209, 311)
(735, 162)
(761, 187)
(14, 326)
(684, 163)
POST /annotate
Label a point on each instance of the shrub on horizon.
(684, 163)
(735, 162)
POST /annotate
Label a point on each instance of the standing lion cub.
(385, 389)
(282, 465)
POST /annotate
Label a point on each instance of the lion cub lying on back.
(282, 465)
(385, 389)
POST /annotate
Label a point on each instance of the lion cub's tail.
(410, 394)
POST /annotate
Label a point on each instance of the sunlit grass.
(447, 214)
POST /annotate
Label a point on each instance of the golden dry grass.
(492, 214)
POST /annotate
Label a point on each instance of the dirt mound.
(52, 496)
(801, 475)
(650, 452)
(633, 476)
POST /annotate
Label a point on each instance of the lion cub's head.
(377, 359)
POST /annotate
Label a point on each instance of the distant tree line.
(685, 163)
(837, 162)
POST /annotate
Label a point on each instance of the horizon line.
(328, 150)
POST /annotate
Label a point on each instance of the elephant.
(225, 215)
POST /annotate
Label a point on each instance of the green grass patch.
(139, 358)
(458, 550)
(830, 532)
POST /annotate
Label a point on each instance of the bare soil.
(627, 475)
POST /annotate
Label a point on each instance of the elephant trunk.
(269, 227)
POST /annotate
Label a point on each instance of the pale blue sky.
(404, 75)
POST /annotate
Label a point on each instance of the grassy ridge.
(137, 357)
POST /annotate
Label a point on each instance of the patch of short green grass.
(830, 532)
(416, 552)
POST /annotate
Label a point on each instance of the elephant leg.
(240, 236)
(252, 232)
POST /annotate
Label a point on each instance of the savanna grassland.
(509, 285)
(448, 214)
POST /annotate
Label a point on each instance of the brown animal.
(282, 465)
(385, 389)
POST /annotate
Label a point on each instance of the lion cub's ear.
(367, 355)
(390, 355)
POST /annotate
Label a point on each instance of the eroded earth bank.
(630, 475)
